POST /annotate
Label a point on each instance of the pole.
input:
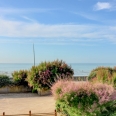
(55, 113)
(30, 113)
(3, 113)
(34, 54)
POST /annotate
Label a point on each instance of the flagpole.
(34, 54)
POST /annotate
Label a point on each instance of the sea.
(80, 69)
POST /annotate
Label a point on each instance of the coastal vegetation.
(7, 85)
(73, 98)
(104, 75)
(40, 77)
(46, 73)
(84, 98)
(4, 80)
(19, 77)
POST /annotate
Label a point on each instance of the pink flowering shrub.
(84, 97)
(103, 91)
(62, 87)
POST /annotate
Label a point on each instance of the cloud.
(87, 15)
(58, 33)
(29, 19)
(22, 29)
(23, 10)
(102, 6)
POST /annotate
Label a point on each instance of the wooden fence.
(33, 114)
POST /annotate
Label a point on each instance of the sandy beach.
(20, 103)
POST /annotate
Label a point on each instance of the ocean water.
(80, 69)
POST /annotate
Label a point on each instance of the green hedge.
(19, 77)
(4, 80)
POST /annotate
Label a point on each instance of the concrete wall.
(20, 89)
(14, 89)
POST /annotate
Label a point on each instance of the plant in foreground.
(82, 98)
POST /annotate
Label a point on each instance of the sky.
(75, 31)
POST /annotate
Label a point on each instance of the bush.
(104, 75)
(114, 79)
(4, 80)
(106, 109)
(82, 98)
(46, 73)
(20, 77)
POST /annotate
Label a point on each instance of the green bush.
(46, 73)
(103, 74)
(4, 80)
(114, 79)
(106, 109)
(20, 77)
(100, 71)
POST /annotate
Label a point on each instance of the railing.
(33, 114)
(76, 78)
(80, 78)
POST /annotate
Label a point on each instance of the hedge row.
(43, 75)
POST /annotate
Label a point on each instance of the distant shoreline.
(10, 75)
(80, 69)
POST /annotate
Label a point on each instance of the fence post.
(55, 113)
(30, 113)
(3, 113)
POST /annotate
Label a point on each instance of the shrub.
(104, 75)
(114, 79)
(103, 91)
(106, 109)
(19, 77)
(81, 98)
(46, 73)
(4, 80)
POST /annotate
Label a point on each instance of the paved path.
(23, 102)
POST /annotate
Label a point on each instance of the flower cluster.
(82, 98)
(103, 91)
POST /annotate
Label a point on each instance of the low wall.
(14, 89)
(20, 89)
(44, 93)
(80, 78)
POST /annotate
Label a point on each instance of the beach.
(22, 103)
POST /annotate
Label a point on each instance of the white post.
(34, 54)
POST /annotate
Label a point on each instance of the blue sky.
(76, 31)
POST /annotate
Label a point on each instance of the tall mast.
(34, 54)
